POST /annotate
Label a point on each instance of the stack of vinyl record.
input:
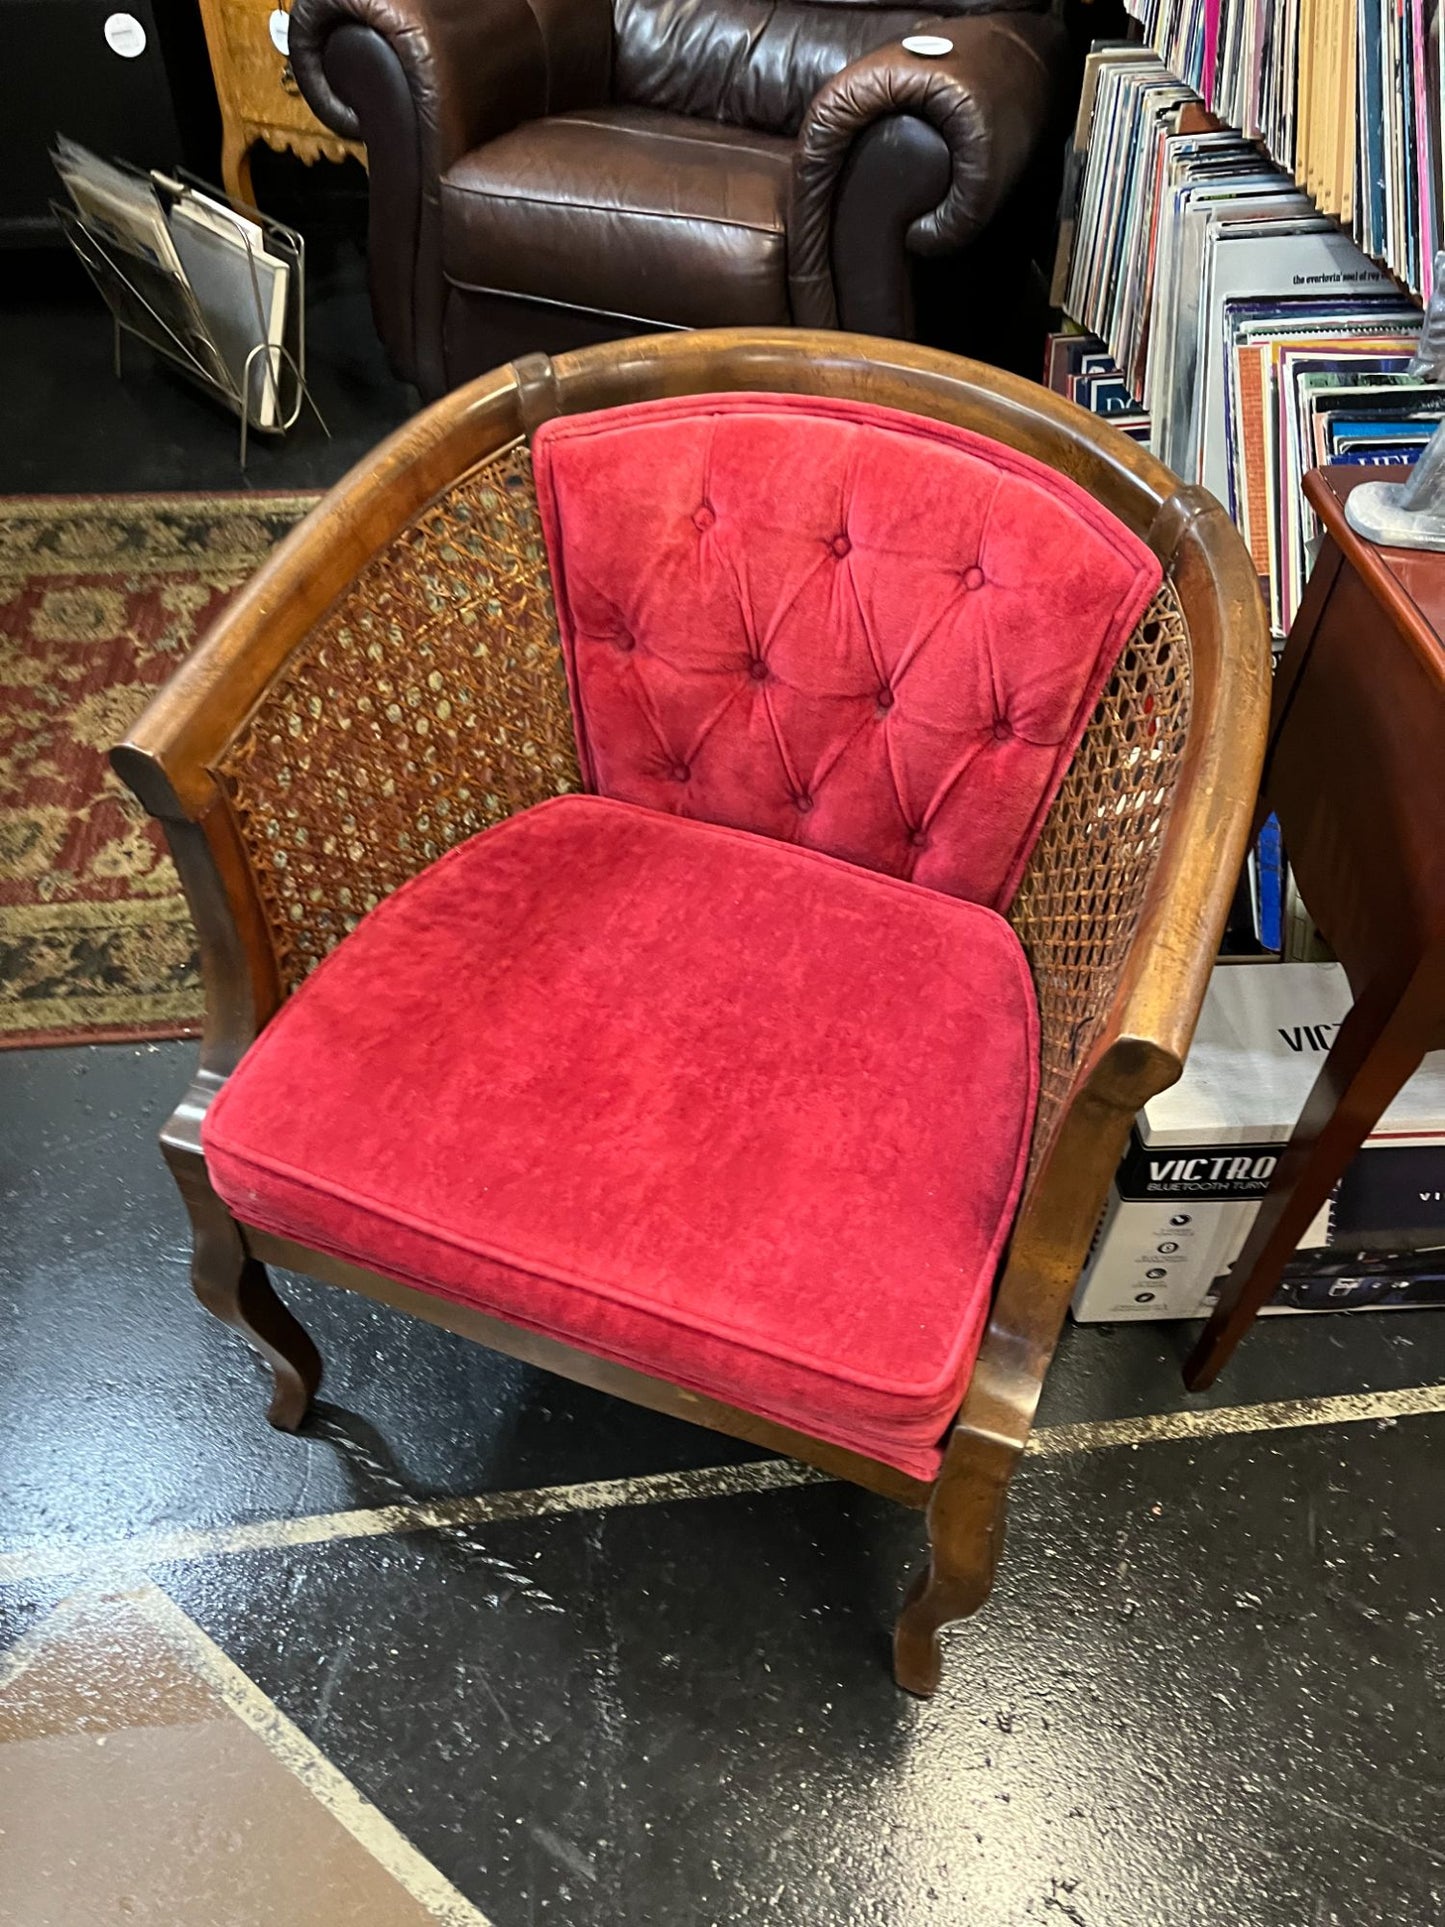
(1255, 336)
(1345, 94)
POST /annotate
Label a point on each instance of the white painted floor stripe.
(366, 1824)
(369, 1827)
(147, 1549)
(1287, 1414)
(23, 1652)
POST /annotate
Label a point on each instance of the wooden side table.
(259, 99)
(1355, 770)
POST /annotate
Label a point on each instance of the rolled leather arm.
(422, 82)
(991, 99)
(474, 68)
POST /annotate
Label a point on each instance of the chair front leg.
(235, 1287)
(965, 1534)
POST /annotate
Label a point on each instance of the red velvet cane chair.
(700, 849)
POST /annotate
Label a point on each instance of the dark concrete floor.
(1206, 1694)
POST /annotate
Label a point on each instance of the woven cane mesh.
(428, 703)
(1081, 896)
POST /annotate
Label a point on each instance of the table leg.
(236, 165)
(1378, 1047)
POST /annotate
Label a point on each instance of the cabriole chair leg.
(235, 1288)
(965, 1532)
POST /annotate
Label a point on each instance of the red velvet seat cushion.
(737, 1114)
(848, 627)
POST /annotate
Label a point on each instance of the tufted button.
(973, 577)
(758, 669)
(802, 802)
(680, 772)
(885, 699)
(704, 517)
(840, 546)
(919, 839)
(626, 643)
(1002, 729)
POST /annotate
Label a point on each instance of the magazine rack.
(159, 307)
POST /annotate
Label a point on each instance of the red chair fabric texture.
(738, 1114)
(834, 624)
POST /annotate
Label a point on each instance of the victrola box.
(1203, 1152)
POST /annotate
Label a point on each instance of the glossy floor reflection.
(1206, 1694)
(143, 1776)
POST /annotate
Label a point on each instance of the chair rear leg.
(965, 1534)
(236, 1288)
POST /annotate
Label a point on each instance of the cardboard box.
(1203, 1153)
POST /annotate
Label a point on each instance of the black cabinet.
(155, 107)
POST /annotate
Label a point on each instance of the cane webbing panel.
(1079, 903)
(428, 703)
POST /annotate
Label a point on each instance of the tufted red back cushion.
(858, 630)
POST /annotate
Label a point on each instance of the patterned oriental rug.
(100, 598)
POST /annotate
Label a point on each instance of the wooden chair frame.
(1135, 1047)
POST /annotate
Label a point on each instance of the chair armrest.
(387, 684)
(1112, 1066)
(475, 68)
(992, 100)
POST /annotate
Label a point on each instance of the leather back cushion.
(847, 627)
(756, 63)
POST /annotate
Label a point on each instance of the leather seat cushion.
(736, 1114)
(650, 216)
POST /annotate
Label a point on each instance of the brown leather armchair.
(552, 173)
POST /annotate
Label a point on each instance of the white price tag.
(279, 28)
(125, 35)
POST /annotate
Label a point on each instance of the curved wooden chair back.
(390, 683)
